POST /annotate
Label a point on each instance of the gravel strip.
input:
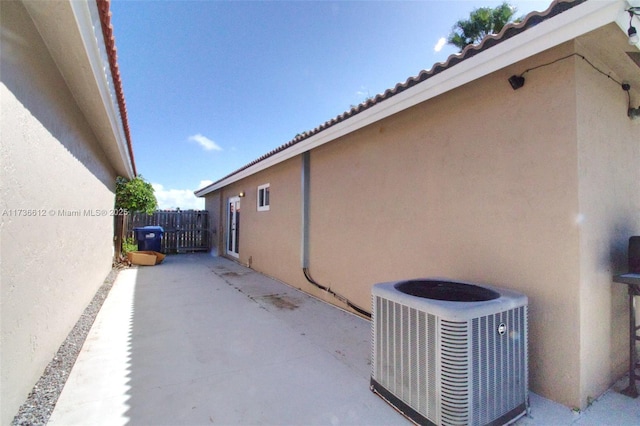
(41, 401)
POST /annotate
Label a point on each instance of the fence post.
(119, 233)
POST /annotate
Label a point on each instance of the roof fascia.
(69, 24)
(88, 20)
(550, 33)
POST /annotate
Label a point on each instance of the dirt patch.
(281, 302)
(230, 274)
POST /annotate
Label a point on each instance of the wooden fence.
(184, 230)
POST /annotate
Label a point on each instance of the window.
(263, 197)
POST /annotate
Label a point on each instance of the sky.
(212, 85)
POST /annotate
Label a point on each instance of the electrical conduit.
(305, 180)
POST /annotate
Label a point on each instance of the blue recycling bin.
(149, 237)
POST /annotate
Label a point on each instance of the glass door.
(233, 227)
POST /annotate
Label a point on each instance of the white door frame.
(233, 227)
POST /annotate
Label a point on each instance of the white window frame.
(263, 189)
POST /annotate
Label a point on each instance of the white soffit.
(88, 20)
(566, 26)
(73, 35)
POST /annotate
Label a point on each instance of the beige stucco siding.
(52, 264)
(480, 185)
(213, 205)
(269, 240)
(533, 189)
(609, 194)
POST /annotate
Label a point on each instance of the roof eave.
(73, 34)
(566, 26)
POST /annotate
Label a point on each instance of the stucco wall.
(213, 205)
(269, 240)
(479, 185)
(52, 264)
(609, 194)
(482, 184)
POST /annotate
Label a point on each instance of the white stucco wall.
(51, 263)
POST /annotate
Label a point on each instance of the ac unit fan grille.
(401, 367)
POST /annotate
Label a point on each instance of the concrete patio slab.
(185, 343)
(201, 340)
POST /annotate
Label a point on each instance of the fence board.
(184, 230)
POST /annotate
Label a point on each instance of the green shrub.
(135, 195)
(129, 245)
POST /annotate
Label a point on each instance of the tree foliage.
(482, 22)
(135, 195)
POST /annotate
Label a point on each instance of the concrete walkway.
(201, 340)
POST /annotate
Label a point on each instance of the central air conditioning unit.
(450, 353)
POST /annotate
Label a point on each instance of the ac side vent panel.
(500, 371)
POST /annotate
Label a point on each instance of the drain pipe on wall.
(306, 161)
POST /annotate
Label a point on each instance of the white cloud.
(363, 92)
(206, 143)
(170, 199)
(440, 44)
(204, 183)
